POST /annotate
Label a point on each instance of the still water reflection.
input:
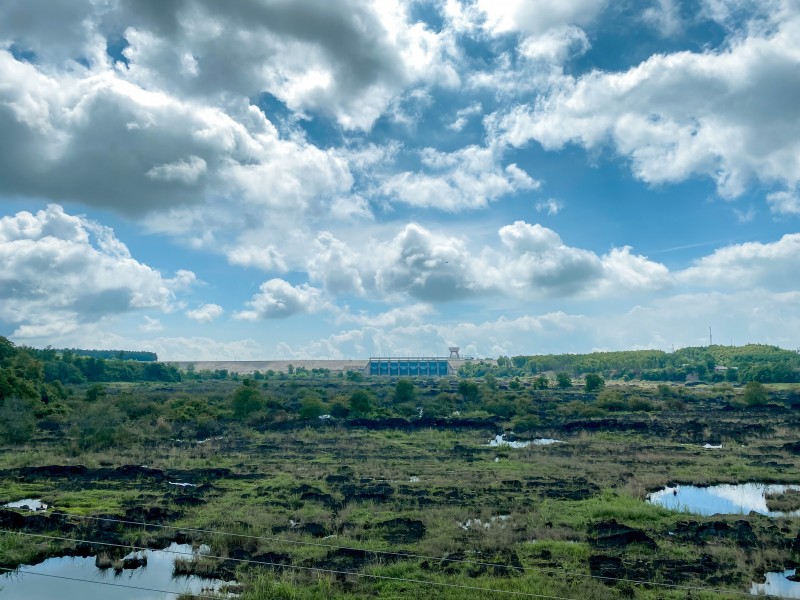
(157, 575)
(728, 499)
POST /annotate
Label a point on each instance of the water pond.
(44, 581)
(34, 504)
(777, 584)
(727, 499)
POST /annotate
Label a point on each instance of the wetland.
(377, 501)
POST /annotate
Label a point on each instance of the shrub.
(17, 420)
(755, 394)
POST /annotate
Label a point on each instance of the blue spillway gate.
(408, 367)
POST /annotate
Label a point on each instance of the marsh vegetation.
(320, 485)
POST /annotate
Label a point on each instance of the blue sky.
(283, 179)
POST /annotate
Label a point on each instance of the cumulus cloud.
(785, 202)
(427, 266)
(103, 140)
(511, 16)
(336, 265)
(773, 266)
(278, 299)
(468, 178)
(205, 313)
(727, 114)
(58, 271)
(531, 262)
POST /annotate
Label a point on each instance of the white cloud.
(401, 315)
(464, 115)
(555, 46)
(183, 171)
(468, 178)
(426, 266)
(58, 271)
(346, 60)
(278, 299)
(537, 16)
(205, 313)
(784, 202)
(267, 258)
(335, 265)
(551, 206)
(151, 325)
(665, 16)
(728, 114)
(772, 265)
(539, 264)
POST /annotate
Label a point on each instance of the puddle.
(29, 503)
(725, 499)
(156, 575)
(777, 584)
(413, 479)
(499, 440)
(712, 446)
(182, 484)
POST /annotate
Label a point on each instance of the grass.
(608, 471)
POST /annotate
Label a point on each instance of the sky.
(288, 179)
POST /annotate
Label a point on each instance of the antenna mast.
(710, 339)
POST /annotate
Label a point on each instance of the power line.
(121, 585)
(382, 552)
(302, 568)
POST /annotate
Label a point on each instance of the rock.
(702, 533)
(610, 534)
(137, 472)
(10, 519)
(401, 530)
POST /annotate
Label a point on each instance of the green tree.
(490, 381)
(246, 400)
(95, 392)
(404, 391)
(541, 383)
(311, 407)
(360, 403)
(563, 381)
(594, 382)
(469, 391)
(755, 394)
(17, 420)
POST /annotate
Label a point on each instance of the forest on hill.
(752, 362)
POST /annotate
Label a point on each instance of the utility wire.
(302, 568)
(461, 561)
(398, 554)
(120, 585)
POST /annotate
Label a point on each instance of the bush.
(17, 421)
(246, 400)
(594, 382)
(311, 407)
(526, 424)
(360, 403)
(755, 394)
